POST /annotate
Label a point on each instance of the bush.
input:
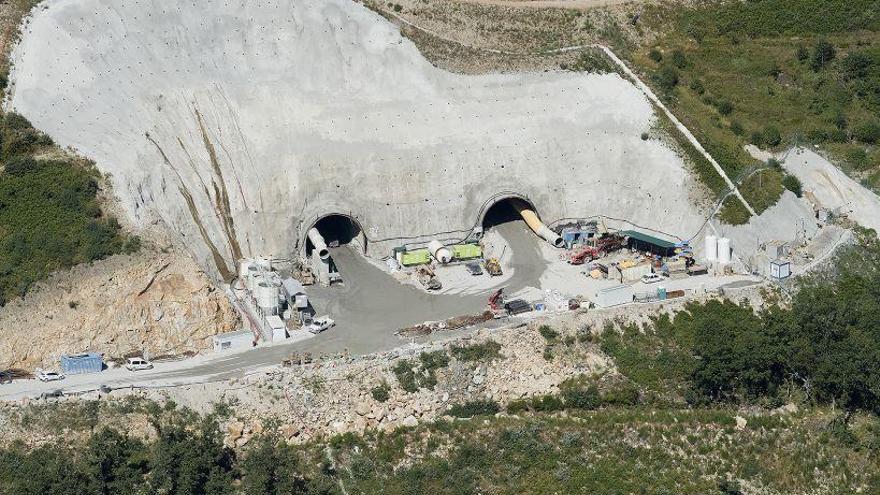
(858, 159)
(868, 133)
(697, 87)
(474, 408)
(655, 55)
(626, 394)
(725, 107)
(771, 136)
(548, 333)
(412, 375)
(477, 352)
(737, 128)
(823, 54)
(582, 397)
(679, 59)
(381, 392)
(793, 184)
(667, 78)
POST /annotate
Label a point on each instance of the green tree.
(823, 53)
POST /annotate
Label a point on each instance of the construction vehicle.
(608, 244)
(493, 267)
(580, 256)
(427, 279)
(496, 303)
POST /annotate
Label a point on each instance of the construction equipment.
(427, 279)
(496, 303)
(580, 256)
(609, 243)
(493, 267)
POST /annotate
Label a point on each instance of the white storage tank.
(724, 250)
(440, 252)
(266, 295)
(711, 248)
(253, 273)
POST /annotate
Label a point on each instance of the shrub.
(645, 136)
(473, 408)
(679, 59)
(667, 78)
(793, 184)
(655, 55)
(582, 397)
(548, 333)
(725, 107)
(802, 54)
(771, 136)
(858, 159)
(868, 133)
(838, 136)
(697, 86)
(737, 128)
(823, 54)
(381, 392)
(625, 394)
(477, 352)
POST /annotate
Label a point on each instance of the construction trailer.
(462, 252)
(233, 340)
(79, 364)
(613, 296)
(780, 269)
(641, 241)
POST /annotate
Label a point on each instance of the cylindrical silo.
(439, 252)
(724, 250)
(711, 248)
(250, 281)
(266, 295)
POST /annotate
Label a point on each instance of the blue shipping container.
(78, 364)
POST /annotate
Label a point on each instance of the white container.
(724, 250)
(613, 296)
(711, 248)
(266, 295)
(439, 252)
(253, 273)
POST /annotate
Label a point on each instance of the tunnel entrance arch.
(510, 207)
(336, 229)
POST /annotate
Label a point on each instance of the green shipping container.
(417, 257)
(467, 251)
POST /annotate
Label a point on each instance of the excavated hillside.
(240, 129)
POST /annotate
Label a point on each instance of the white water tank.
(724, 250)
(440, 252)
(266, 295)
(711, 248)
(250, 280)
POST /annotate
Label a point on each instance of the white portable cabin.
(279, 329)
(780, 269)
(233, 340)
(613, 296)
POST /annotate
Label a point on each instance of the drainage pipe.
(531, 218)
(440, 253)
(320, 245)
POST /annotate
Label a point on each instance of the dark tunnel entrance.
(504, 211)
(336, 230)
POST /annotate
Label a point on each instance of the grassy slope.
(744, 56)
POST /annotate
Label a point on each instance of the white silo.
(711, 248)
(724, 250)
(266, 295)
(253, 273)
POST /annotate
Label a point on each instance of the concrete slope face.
(239, 123)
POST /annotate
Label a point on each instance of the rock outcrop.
(153, 302)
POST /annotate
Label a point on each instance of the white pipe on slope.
(531, 218)
(320, 245)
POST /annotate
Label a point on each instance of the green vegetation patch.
(485, 351)
(733, 212)
(415, 374)
(50, 217)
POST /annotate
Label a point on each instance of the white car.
(138, 364)
(320, 324)
(48, 376)
(651, 278)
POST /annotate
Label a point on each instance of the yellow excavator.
(493, 267)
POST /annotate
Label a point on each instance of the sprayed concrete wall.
(239, 123)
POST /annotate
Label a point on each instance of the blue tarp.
(78, 364)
